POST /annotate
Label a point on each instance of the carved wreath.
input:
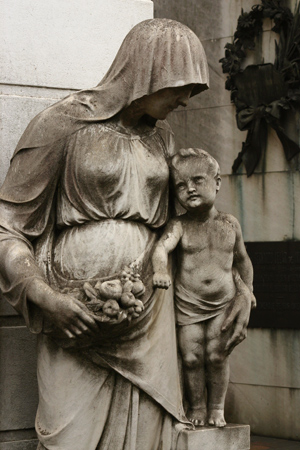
(262, 92)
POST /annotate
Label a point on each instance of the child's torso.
(205, 256)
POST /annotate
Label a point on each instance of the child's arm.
(241, 260)
(165, 245)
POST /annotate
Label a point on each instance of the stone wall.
(265, 378)
(49, 49)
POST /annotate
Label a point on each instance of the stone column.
(49, 49)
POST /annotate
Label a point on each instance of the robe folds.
(111, 393)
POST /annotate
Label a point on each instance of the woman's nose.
(183, 101)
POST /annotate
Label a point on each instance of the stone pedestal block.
(232, 437)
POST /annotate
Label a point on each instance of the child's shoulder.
(181, 220)
(229, 219)
(175, 222)
(178, 223)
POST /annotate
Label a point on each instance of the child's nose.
(191, 186)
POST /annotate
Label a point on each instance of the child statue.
(210, 253)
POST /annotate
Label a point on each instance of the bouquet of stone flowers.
(115, 299)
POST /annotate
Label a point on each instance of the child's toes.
(216, 418)
(211, 422)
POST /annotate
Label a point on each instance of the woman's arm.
(242, 262)
(238, 314)
(65, 312)
(26, 202)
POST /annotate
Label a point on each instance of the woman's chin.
(161, 115)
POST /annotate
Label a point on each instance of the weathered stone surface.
(270, 411)
(265, 357)
(42, 41)
(213, 129)
(291, 4)
(19, 445)
(18, 394)
(232, 437)
(209, 20)
(6, 309)
(262, 203)
(28, 434)
(16, 112)
(35, 92)
(264, 443)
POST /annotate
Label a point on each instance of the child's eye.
(180, 186)
(199, 180)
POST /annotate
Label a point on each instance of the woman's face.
(161, 103)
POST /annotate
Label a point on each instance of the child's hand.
(161, 280)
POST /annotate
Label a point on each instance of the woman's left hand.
(239, 314)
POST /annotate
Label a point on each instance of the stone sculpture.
(210, 247)
(86, 192)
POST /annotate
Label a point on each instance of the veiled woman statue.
(84, 198)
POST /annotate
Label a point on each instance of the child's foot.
(197, 416)
(216, 418)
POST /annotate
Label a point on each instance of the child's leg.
(217, 370)
(191, 345)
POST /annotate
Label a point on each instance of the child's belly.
(210, 284)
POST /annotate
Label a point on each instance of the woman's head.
(155, 55)
(158, 54)
(157, 105)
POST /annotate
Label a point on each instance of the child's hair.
(188, 153)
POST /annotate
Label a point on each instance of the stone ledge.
(232, 437)
(19, 445)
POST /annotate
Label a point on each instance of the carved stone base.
(232, 437)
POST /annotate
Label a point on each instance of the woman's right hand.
(64, 311)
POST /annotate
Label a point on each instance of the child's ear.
(218, 181)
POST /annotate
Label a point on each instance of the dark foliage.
(260, 93)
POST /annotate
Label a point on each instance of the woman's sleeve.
(26, 203)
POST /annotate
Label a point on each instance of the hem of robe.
(117, 403)
(147, 388)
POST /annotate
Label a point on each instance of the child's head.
(196, 177)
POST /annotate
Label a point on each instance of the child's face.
(196, 185)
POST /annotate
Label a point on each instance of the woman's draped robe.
(87, 206)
